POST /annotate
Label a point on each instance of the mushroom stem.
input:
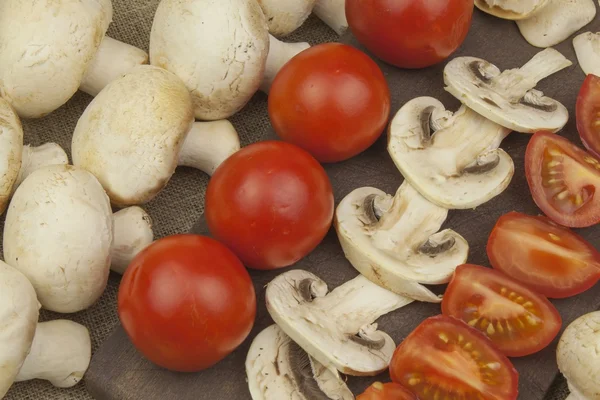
(60, 353)
(132, 233)
(112, 60)
(279, 54)
(208, 144)
(41, 156)
(333, 13)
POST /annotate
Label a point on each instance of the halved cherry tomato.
(550, 259)
(517, 320)
(445, 358)
(387, 391)
(588, 113)
(563, 180)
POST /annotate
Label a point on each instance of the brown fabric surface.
(176, 209)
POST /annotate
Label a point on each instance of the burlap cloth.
(176, 209)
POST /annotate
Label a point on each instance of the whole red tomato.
(332, 100)
(271, 203)
(410, 33)
(186, 302)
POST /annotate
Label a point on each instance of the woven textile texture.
(177, 208)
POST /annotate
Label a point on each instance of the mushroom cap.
(19, 312)
(131, 134)
(587, 49)
(11, 151)
(510, 9)
(578, 356)
(58, 233)
(45, 49)
(218, 48)
(284, 17)
(449, 168)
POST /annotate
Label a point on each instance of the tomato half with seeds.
(446, 358)
(587, 113)
(386, 391)
(517, 320)
(563, 180)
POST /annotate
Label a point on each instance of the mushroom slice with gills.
(395, 241)
(338, 328)
(453, 160)
(510, 9)
(557, 21)
(587, 49)
(332, 13)
(57, 351)
(285, 16)
(278, 369)
(508, 97)
(279, 54)
(50, 49)
(59, 232)
(135, 133)
(578, 357)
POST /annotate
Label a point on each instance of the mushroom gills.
(510, 9)
(587, 49)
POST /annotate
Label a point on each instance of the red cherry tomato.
(588, 114)
(563, 180)
(332, 100)
(517, 320)
(445, 358)
(387, 391)
(550, 259)
(410, 33)
(271, 203)
(186, 302)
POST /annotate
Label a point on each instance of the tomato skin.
(550, 259)
(484, 297)
(332, 100)
(171, 311)
(587, 113)
(271, 203)
(386, 391)
(410, 33)
(571, 170)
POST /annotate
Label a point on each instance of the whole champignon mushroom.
(59, 233)
(508, 97)
(333, 13)
(58, 351)
(510, 9)
(135, 133)
(279, 54)
(587, 49)
(395, 241)
(278, 369)
(285, 16)
(50, 49)
(453, 160)
(578, 357)
(337, 328)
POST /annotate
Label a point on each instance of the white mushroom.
(395, 241)
(285, 16)
(49, 49)
(18, 161)
(508, 97)
(59, 232)
(58, 351)
(132, 234)
(587, 49)
(218, 48)
(510, 9)
(278, 369)
(333, 13)
(453, 160)
(578, 357)
(135, 133)
(279, 54)
(337, 328)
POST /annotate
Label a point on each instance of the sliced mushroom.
(510, 9)
(335, 328)
(453, 160)
(279, 54)
(395, 241)
(333, 13)
(508, 97)
(587, 49)
(578, 357)
(278, 369)
(285, 16)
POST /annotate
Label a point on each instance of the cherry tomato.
(410, 33)
(387, 391)
(332, 100)
(517, 320)
(186, 302)
(563, 180)
(588, 113)
(271, 203)
(550, 259)
(445, 358)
